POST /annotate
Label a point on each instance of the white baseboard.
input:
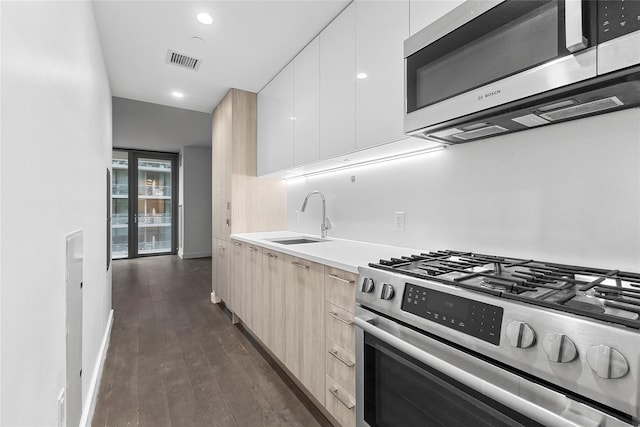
(90, 406)
(195, 255)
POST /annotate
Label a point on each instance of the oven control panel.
(474, 318)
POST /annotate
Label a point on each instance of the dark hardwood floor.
(175, 359)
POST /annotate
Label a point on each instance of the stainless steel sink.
(297, 240)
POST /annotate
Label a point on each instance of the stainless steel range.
(462, 339)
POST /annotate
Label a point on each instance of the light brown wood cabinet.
(303, 313)
(238, 279)
(340, 288)
(241, 201)
(221, 267)
(305, 335)
(340, 403)
(272, 310)
(340, 296)
(253, 288)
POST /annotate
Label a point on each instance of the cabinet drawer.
(340, 403)
(340, 327)
(341, 366)
(340, 288)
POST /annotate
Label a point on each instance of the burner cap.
(585, 306)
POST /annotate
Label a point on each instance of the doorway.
(144, 200)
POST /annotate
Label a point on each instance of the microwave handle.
(498, 394)
(575, 40)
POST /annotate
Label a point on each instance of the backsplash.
(568, 193)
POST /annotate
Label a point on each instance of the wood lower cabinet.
(340, 288)
(272, 314)
(238, 279)
(340, 296)
(253, 288)
(305, 336)
(340, 403)
(303, 312)
(246, 282)
(221, 268)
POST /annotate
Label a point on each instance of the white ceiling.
(245, 47)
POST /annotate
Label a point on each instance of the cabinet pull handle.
(297, 264)
(221, 247)
(336, 394)
(237, 244)
(251, 248)
(270, 255)
(340, 279)
(334, 353)
(335, 316)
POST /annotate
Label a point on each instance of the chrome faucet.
(326, 224)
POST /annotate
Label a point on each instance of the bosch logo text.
(488, 94)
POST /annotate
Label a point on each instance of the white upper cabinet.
(424, 12)
(381, 28)
(337, 86)
(317, 109)
(275, 123)
(306, 139)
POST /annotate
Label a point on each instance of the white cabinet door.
(275, 123)
(381, 28)
(424, 12)
(306, 139)
(337, 86)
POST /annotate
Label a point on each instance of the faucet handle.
(328, 225)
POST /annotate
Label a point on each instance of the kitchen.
(566, 194)
(521, 193)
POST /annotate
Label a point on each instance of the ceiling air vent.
(183, 61)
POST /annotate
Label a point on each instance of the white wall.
(196, 192)
(56, 147)
(568, 193)
(145, 126)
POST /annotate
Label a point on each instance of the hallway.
(175, 359)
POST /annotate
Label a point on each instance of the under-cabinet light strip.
(368, 162)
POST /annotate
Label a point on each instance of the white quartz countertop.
(339, 253)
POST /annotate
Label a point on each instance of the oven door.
(406, 379)
(487, 53)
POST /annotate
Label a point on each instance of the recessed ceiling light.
(205, 18)
(361, 76)
(197, 39)
(177, 94)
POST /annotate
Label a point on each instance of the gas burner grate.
(555, 286)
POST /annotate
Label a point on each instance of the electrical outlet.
(61, 409)
(398, 221)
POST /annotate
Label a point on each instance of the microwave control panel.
(617, 18)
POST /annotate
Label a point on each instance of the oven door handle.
(508, 399)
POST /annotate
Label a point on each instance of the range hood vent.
(480, 133)
(181, 60)
(602, 95)
(587, 108)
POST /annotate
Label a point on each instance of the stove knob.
(387, 291)
(559, 348)
(607, 362)
(520, 334)
(367, 285)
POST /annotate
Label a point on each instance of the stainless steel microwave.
(491, 67)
